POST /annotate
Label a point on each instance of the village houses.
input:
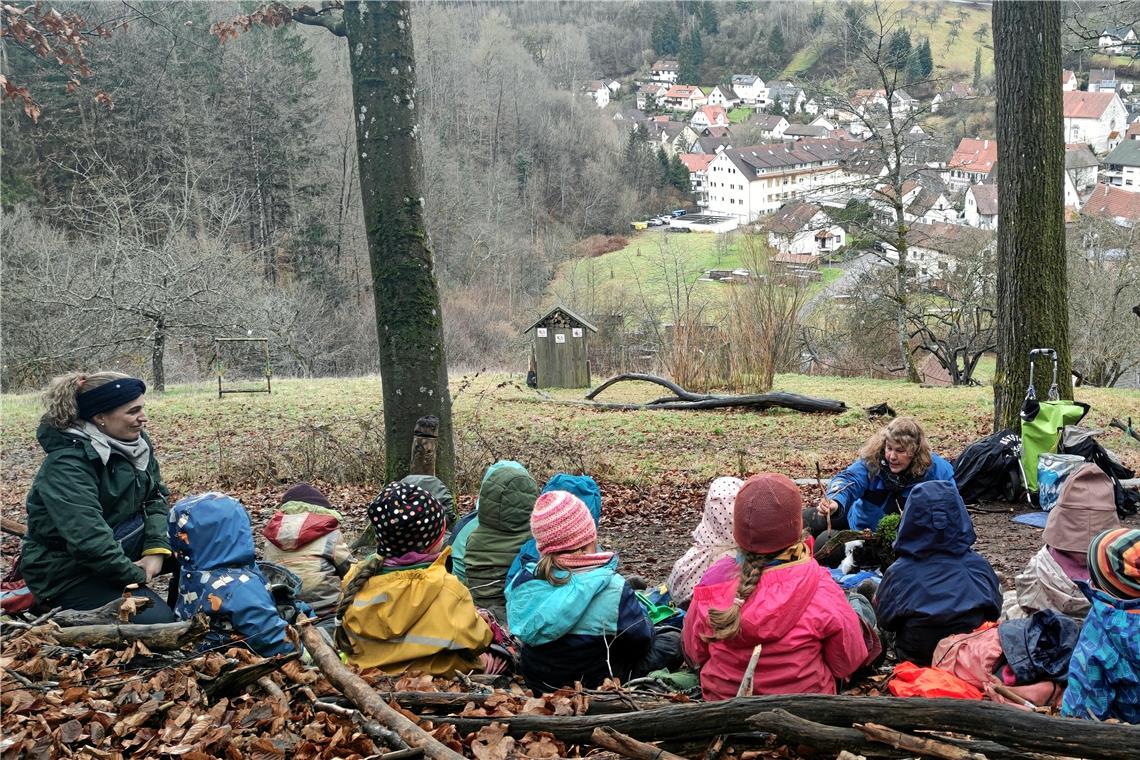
(1114, 204)
(971, 164)
(1081, 166)
(664, 70)
(750, 89)
(709, 116)
(599, 92)
(1095, 118)
(723, 96)
(684, 97)
(956, 91)
(789, 95)
(1118, 40)
(1069, 81)
(1102, 80)
(698, 164)
(800, 228)
(1122, 166)
(747, 182)
(771, 126)
(937, 250)
(980, 208)
(650, 95)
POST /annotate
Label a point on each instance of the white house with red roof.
(723, 96)
(1069, 81)
(709, 116)
(650, 94)
(684, 97)
(698, 164)
(664, 70)
(1097, 119)
(1114, 204)
(972, 162)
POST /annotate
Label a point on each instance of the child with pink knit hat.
(577, 618)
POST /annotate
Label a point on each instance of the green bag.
(1043, 421)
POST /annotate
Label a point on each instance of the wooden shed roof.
(565, 311)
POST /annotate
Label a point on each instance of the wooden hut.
(559, 354)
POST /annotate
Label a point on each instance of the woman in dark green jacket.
(97, 513)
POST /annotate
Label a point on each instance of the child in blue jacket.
(582, 486)
(890, 464)
(577, 618)
(212, 538)
(939, 585)
(1104, 672)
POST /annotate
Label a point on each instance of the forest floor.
(654, 466)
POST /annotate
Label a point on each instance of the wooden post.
(423, 446)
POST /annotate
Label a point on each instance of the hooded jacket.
(506, 500)
(419, 618)
(74, 505)
(306, 539)
(582, 486)
(866, 498)
(810, 634)
(585, 630)
(212, 537)
(938, 580)
(1104, 672)
(466, 525)
(712, 540)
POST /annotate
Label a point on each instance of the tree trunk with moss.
(409, 321)
(1031, 277)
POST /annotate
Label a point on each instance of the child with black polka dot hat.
(401, 609)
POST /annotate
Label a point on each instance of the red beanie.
(767, 516)
(561, 522)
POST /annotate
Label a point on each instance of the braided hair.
(368, 570)
(726, 623)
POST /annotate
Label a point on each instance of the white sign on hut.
(559, 354)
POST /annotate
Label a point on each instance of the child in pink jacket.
(775, 595)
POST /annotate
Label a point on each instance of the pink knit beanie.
(561, 522)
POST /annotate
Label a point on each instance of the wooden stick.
(1009, 726)
(159, 637)
(921, 745)
(1012, 695)
(371, 727)
(615, 741)
(361, 694)
(825, 739)
(822, 492)
(272, 689)
(745, 689)
(14, 527)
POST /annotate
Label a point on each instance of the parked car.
(639, 225)
(655, 222)
(678, 212)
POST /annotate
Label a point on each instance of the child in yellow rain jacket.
(401, 609)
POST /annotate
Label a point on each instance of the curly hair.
(61, 407)
(371, 568)
(726, 623)
(905, 432)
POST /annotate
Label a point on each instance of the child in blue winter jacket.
(1104, 672)
(582, 486)
(577, 618)
(211, 536)
(890, 464)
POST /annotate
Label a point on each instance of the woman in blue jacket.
(878, 483)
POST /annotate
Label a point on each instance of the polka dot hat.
(406, 519)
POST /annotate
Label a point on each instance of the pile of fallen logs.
(93, 684)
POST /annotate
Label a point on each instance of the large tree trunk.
(1031, 278)
(409, 321)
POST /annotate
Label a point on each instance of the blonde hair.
(726, 623)
(61, 408)
(901, 431)
(370, 568)
(548, 568)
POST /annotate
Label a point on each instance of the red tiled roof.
(1066, 75)
(986, 198)
(683, 91)
(714, 113)
(975, 155)
(1086, 105)
(1109, 202)
(697, 162)
(1133, 130)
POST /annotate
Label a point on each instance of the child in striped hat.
(1104, 673)
(577, 618)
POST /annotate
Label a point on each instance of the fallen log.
(367, 701)
(600, 704)
(108, 614)
(686, 400)
(614, 741)
(1008, 726)
(13, 527)
(922, 745)
(159, 637)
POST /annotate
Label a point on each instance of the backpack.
(990, 468)
(1082, 442)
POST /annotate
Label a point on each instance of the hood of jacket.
(436, 488)
(540, 612)
(777, 604)
(582, 486)
(402, 598)
(1086, 505)
(934, 521)
(507, 498)
(210, 531)
(296, 524)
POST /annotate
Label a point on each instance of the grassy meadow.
(330, 430)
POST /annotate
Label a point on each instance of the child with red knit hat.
(774, 596)
(577, 618)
